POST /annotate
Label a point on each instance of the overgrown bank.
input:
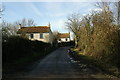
(18, 52)
(97, 65)
(97, 35)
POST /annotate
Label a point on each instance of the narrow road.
(58, 64)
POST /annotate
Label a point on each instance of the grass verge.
(104, 67)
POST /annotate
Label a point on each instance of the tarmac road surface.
(59, 64)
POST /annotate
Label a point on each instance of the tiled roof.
(36, 29)
(64, 35)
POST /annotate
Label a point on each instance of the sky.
(42, 13)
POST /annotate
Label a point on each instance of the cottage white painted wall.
(64, 40)
(37, 37)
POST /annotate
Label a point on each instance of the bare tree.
(31, 22)
(105, 6)
(55, 38)
(10, 26)
(117, 4)
(96, 34)
(74, 23)
(25, 22)
(2, 9)
(8, 30)
(85, 33)
(119, 13)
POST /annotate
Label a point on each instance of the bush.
(17, 48)
(102, 39)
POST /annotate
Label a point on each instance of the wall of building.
(37, 37)
(64, 40)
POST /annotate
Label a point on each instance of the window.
(41, 36)
(59, 39)
(31, 35)
(66, 39)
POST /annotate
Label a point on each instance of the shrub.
(17, 48)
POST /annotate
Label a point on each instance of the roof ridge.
(36, 27)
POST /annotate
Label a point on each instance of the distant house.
(40, 33)
(63, 37)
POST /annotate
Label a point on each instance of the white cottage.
(40, 33)
(63, 37)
